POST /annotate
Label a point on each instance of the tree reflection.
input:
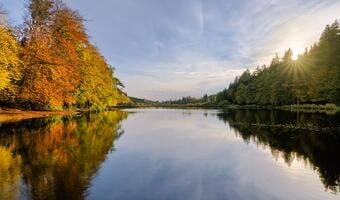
(314, 138)
(9, 174)
(56, 157)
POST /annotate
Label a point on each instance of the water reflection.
(55, 158)
(314, 138)
(172, 154)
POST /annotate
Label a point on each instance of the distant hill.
(142, 101)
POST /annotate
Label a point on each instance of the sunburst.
(297, 68)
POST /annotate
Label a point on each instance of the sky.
(166, 49)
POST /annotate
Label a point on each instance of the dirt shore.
(13, 115)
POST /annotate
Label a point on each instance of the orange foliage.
(50, 52)
(56, 66)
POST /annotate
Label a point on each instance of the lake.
(172, 154)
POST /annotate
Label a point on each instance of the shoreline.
(8, 115)
(15, 115)
(304, 108)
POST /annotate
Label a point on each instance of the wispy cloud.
(167, 49)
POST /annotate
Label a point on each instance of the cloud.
(167, 49)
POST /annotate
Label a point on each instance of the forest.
(312, 79)
(49, 63)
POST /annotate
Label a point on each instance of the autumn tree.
(40, 11)
(98, 87)
(10, 65)
(55, 66)
(50, 53)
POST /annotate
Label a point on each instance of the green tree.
(313, 78)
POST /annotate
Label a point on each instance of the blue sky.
(166, 49)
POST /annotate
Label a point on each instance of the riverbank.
(311, 108)
(14, 115)
(307, 108)
(175, 106)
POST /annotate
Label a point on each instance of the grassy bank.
(312, 108)
(14, 115)
(308, 108)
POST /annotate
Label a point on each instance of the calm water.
(172, 154)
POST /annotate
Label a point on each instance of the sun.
(296, 52)
(296, 45)
(295, 56)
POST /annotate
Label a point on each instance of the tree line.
(312, 78)
(48, 62)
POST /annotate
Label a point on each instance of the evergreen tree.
(313, 78)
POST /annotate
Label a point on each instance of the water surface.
(172, 154)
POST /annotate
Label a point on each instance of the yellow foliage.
(9, 60)
(4, 78)
(56, 67)
(9, 174)
(98, 88)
